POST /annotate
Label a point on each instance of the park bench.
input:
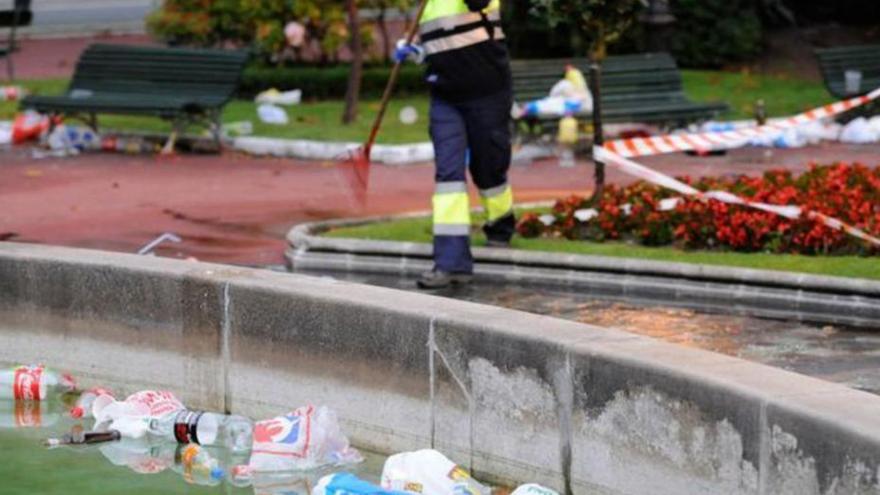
(644, 88)
(11, 19)
(181, 85)
(834, 62)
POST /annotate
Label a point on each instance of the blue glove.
(411, 51)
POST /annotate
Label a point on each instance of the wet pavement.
(834, 353)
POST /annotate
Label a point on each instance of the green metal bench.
(181, 85)
(834, 62)
(643, 88)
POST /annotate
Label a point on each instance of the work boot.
(437, 279)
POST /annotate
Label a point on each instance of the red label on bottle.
(28, 414)
(26, 383)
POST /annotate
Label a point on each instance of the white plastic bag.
(306, 438)
(272, 114)
(133, 415)
(428, 472)
(275, 97)
(859, 131)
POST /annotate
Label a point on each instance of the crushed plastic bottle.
(205, 428)
(33, 383)
(428, 472)
(83, 407)
(197, 466)
(349, 484)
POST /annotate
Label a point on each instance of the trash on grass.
(306, 438)
(241, 128)
(275, 97)
(428, 472)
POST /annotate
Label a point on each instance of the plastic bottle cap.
(217, 473)
(77, 412)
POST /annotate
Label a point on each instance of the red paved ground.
(233, 208)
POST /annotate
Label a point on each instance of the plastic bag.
(859, 131)
(133, 415)
(349, 484)
(275, 97)
(533, 489)
(306, 438)
(428, 472)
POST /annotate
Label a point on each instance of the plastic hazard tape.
(788, 211)
(708, 141)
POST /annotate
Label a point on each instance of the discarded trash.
(409, 115)
(83, 407)
(204, 428)
(306, 438)
(349, 484)
(5, 133)
(150, 246)
(272, 114)
(133, 415)
(275, 97)
(72, 139)
(567, 97)
(11, 93)
(533, 489)
(428, 472)
(132, 145)
(861, 131)
(83, 438)
(35, 383)
(28, 126)
(242, 128)
(198, 467)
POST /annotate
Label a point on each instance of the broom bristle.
(355, 169)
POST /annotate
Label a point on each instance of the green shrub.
(329, 82)
(713, 33)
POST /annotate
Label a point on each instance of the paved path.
(234, 208)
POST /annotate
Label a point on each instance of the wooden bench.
(181, 85)
(834, 62)
(20, 15)
(644, 88)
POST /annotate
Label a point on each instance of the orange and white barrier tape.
(707, 141)
(788, 211)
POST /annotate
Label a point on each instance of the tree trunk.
(352, 94)
(383, 31)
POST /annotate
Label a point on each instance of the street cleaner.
(468, 71)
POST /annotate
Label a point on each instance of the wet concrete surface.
(835, 353)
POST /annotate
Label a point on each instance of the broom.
(355, 164)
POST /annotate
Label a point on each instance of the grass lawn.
(419, 230)
(320, 120)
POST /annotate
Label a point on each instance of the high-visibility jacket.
(466, 52)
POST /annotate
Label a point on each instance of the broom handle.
(392, 81)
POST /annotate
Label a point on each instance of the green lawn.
(419, 230)
(320, 120)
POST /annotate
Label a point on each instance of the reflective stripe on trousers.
(497, 201)
(451, 207)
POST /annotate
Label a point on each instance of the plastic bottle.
(197, 466)
(33, 383)
(83, 407)
(204, 428)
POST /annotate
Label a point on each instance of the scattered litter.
(272, 114)
(533, 489)
(11, 93)
(586, 214)
(71, 140)
(547, 219)
(306, 438)
(199, 467)
(241, 128)
(567, 97)
(861, 131)
(33, 383)
(409, 115)
(83, 407)
(349, 484)
(275, 97)
(150, 246)
(29, 126)
(669, 204)
(428, 472)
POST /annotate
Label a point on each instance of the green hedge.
(330, 82)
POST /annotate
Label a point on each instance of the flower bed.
(653, 216)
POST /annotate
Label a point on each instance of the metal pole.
(598, 135)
